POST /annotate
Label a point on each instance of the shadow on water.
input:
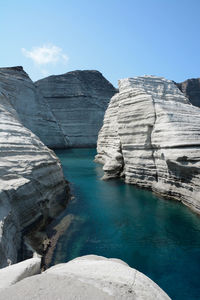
(160, 238)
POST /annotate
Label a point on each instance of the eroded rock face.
(87, 277)
(78, 101)
(191, 89)
(64, 110)
(32, 108)
(32, 184)
(151, 136)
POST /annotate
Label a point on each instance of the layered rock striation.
(78, 101)
(87, 277)
(191, 89)
(151, 137)
(32, 184)
(64, 110)
(32, 108)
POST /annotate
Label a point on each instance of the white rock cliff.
(32, 184)
(32, 108)
(151, 136)
(78, 101)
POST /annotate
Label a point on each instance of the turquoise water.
(158, 237)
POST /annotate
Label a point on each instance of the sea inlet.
(159, 237)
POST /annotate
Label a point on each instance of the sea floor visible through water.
(159, 237)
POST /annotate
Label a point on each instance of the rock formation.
(151, 136)
(14, 273)
(64, 110)
(87, 277)
(78, 101)
(32, 109)
(32, 184)
(191, 89)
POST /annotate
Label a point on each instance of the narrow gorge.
(147, 134)
(32, 182)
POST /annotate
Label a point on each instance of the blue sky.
(120, 38)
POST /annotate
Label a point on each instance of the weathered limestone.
(87, 277)
(32, 185)
(64, 110)
(191, 89)
(78, 101)
(32, 108)
(151, 136)
(14, 273)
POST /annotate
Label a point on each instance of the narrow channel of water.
(160, 238)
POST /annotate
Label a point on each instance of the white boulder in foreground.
(14, 273)
(151, 136)
(89, 277)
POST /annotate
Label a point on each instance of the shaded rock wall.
(151, 136)
(64, 110)
(32, 184)
(191, 89)
(32, 108)
(78, 101)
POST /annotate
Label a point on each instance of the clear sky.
(120, 38)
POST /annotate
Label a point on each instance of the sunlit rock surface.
(87, 277)
(151, 136)
(32, 184)
(78, 101)
(14, 273)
